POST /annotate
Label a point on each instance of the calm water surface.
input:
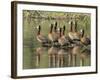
(52, 57)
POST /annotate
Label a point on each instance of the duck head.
(39, 29)
(82, 32)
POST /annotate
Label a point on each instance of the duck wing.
(42, 39)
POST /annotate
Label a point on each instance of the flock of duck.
(62, 43)
(58, 37)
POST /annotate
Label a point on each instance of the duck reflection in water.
(39, 52)
(76, 50)
(85, 54)
(61, 58)
(52, 54)
(78, 55)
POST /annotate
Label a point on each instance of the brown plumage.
(84, 39)
(52, 54)
(41, 38)
(63, 40)
(60, 56)
(53, 35)
(76, 34)
(70, 33)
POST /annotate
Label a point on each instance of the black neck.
(55, 28)
(82, 33)
(39, 30)
(71, 26)
(75, 27)
(63, 30)
(56, 24)
(60, 31)
(51, 28)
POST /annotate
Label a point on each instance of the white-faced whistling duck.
(41, 38)
(70, 33)
(85, 40)
(50, 35)
(53, 37)
(63, 34)
(55, 33)
(62, 40)
(76, 34)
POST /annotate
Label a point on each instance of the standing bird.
(53, 37)
(70, 33)
(73, 34)
(62, 39)
(63, 34)
(84, 40)
(55, 33)
(76, 34)
(50, 35)
(41, 38)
